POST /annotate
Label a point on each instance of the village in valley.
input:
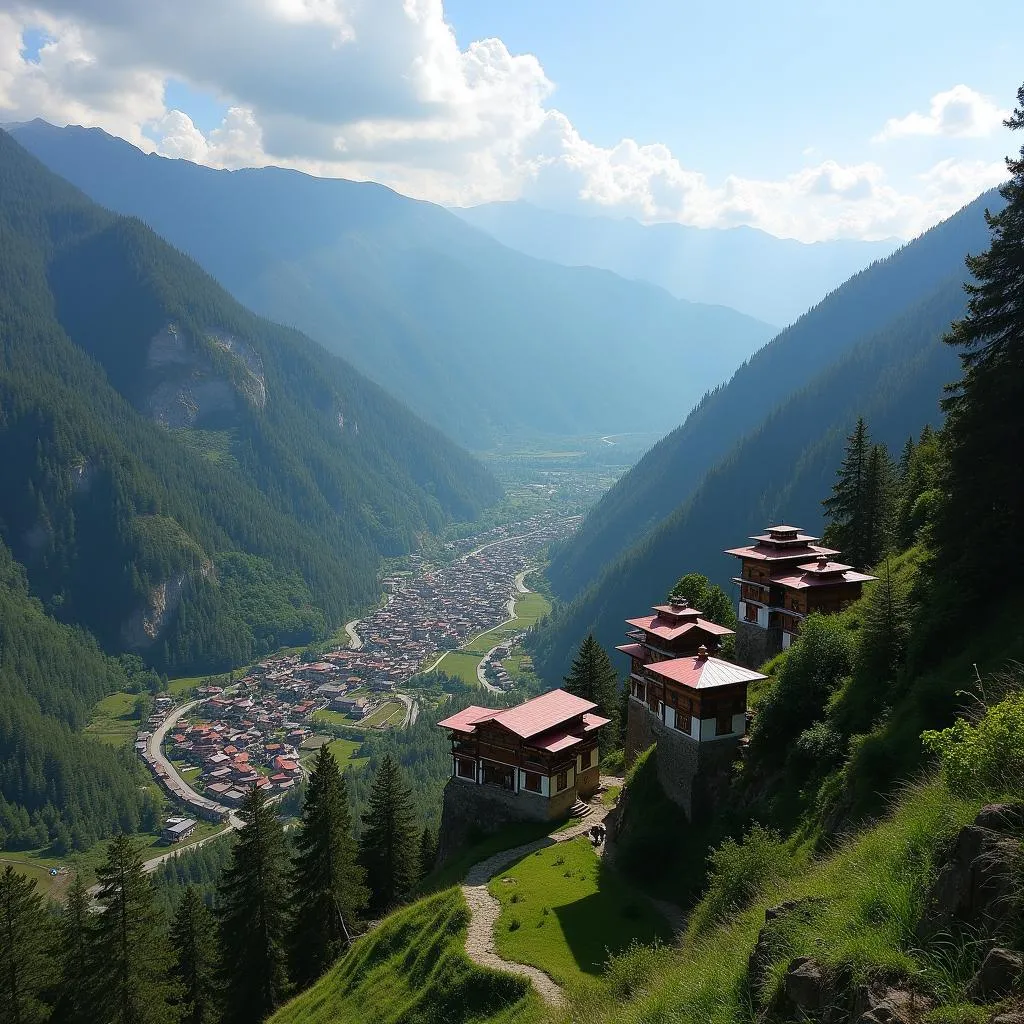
(254, 730)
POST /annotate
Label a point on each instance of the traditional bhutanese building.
(535, 760)
(685, 699)
(784, 576)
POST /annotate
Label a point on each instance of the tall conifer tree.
(844, 507)
(428, 851)
(75, 985)
(389, 844)
(328, 881)
(592, 677)
(194, 939)
(130, 958)
(252, 907)
(24, 956)
(982, 511)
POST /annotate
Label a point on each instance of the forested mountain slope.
(878, 308)
(180, 476)
(774, 279)
(479, 339)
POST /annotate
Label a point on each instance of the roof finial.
(702, 653)
(822, 561)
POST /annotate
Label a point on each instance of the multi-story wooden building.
(537, 758)
(685, 699)
(784, 576)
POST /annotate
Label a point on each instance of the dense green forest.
(757, 450)
(261, 517)
(905, 301)
(475, 337)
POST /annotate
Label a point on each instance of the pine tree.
(593, 678)
(879, 505)
(389, 844)
(845, 507)
(75, 986)
(983, 507)
(24, 960)
(428, 851)
(327, 878)
(130, 956)
(194, 940)
(252, 908)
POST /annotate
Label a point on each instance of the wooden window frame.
(561, 781)
(528, 782)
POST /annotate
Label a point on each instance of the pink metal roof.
(677, 611)
(651, 624)
(699, 673)
(556, 741)
(810, 579)
(767, 554)
(592, 722)
(540, 715)
(633, 650)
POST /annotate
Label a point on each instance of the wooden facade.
(543, 750)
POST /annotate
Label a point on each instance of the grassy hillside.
(477, 338)
(412, 969)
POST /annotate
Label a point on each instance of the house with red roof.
(536, 759)
(687, 700)
(786, 575)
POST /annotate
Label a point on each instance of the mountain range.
(773, 279)
(764, 447)
(481, 340)
(181, 477)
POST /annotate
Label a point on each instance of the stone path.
(484, 908)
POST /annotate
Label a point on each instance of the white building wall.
(762, 615)
(787, 640)
(670, 716)
(708, 727)
(739, 724)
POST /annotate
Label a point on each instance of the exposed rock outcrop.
(1001, 973)
(978, 885)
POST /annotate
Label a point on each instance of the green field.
(564, 910)
(392, 713)
(185, 684)
(345, 751)
(463, 663)
(113, 719)
(412, 969)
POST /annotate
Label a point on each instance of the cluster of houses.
(234, 754)
(440, 607)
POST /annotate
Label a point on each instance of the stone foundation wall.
(754, 645)
(469, 811)
(693, 775)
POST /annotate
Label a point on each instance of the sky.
(810, 119)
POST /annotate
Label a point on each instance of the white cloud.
(381, 90)
(959, 112)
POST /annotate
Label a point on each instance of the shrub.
(987, 758)
(738, 873)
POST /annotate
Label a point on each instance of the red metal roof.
(633, 650)
(592, 722)
(651, 624)
(767, 554)
(703, 673)
(556, 741)
(809, 579)
(542, 714)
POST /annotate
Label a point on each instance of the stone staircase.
(580, 810)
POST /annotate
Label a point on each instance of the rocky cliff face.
(147, 624)
(187, 387)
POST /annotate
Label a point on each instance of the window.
(561, 781)
(466, 769)
(684, 721)
(723, 723)
(585, 759)
(750, 612)
(532, 782)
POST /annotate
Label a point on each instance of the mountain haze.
(765, 446)
(773, 279)
(181, 477)
(477, 338)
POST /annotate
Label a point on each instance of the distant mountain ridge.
(181, 477)
(773, 279)
(479, 339)
(766, 445)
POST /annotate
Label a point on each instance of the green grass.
(413, 969)
(392, 713)
(185, 684)
(863, 903)
(564, 909)
(345, 752)
(335, 718)
(113, 719)
(463, 663)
